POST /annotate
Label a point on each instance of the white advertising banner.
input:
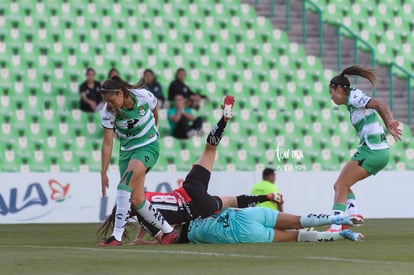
(76, 197)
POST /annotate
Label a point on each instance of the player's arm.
(155, 113)
(106, 153)
(386, 115)
(139, 239)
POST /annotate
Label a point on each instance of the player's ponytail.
(109, 223)
(367, 73)
(342, 81)
(116, 84)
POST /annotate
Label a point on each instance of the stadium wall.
(75, 197)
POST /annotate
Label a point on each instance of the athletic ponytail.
(367, 73)
(342, 81)
(109, 223)
(116, 83)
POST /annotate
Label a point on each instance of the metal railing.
(357, 40)
(306, 3)
(409, 91)
(272, 11)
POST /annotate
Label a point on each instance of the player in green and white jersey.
(131, 112)
(372, 155)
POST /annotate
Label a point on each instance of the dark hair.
(267, 172)
(178, 71)
(116, 84)
(342, 81)
(143, 76)
(88, 70)
(111, 71)
(149, 71)
(109, 223)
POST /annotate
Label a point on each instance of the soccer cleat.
(170, 238)
(228, 107)
(353, 236)
(357, 223)
(348, 220)
(111, 241)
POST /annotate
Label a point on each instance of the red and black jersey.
(174, 206)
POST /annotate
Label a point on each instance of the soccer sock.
(244, 201)
(123, 203)
(338, 209)
(314, 220)
(153, 216)
(315, 236)
(216, 133)
(351, 206)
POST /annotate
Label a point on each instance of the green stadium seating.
(225, 47)
(385, 26)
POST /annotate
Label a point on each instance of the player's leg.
(315, 236)
(288, 221)
(243, 201)
(350, 174)
(207, 158)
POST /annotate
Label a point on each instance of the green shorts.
(372, 161)
(148, 155)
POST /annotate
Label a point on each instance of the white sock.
(337, 213)
(315, 236)
(351, 207)
(314, 220)
(154, 217)
(123, 204)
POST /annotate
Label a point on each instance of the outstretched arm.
(386, 115)
(139, 238)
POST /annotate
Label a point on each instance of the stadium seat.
(225, 47)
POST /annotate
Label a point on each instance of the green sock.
(350, 196)
(338, 209)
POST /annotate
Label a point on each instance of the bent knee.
(341, 185)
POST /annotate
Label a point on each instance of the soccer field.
(57, 249)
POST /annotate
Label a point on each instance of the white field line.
(205, 253)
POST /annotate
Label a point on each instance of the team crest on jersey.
(141, 111)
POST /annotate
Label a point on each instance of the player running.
(192, 199)
(131, 112)
(372, 155)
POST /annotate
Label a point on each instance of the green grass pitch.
(70, 249)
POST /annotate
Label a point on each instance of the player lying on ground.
(373, 152)
(192, 199)
(261, 225)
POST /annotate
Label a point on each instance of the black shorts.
(196, 185)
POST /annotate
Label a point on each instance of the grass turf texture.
(70, 248)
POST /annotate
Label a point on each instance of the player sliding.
(372, 155)
(131, 112)
(192, 199)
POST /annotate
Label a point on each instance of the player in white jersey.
(131, 112)
(372, 155)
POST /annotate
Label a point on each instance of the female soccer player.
(131, 112)
(372, 155)
(192, 199)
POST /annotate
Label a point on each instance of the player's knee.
(341, 186)
(137, 199)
